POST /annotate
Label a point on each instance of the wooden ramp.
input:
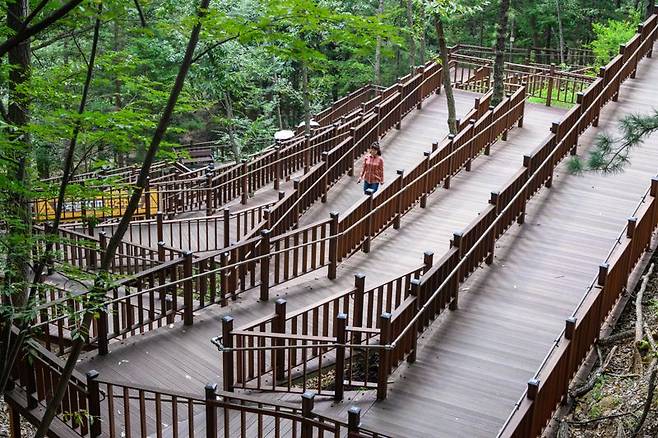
(474, 362)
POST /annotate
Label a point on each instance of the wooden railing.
(540, 56)
(546, 83)
(550, 383)
(178, 288)
(198, 234)
(291, 352)
(93, 407)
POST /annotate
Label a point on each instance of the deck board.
(473, 363)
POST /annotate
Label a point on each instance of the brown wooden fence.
(180, 287)
(93, 407)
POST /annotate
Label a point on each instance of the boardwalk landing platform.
(474, 363)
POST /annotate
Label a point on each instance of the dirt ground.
(611, 402)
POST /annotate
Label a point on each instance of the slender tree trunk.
(278, 103)
(18, 254)
(235, 147)
(560, 30)
(423, 41)
(378, 50)
(19, 229)
(412, 36)
(499, 62)
(101, 282)
(307, 101)
(447, 85)
(650, 8)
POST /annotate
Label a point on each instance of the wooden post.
(93, 398)
(451, 149)
(187, 289)
(211, 410)
(352, 159)
(384, 354)
(341, 324)
(223, 278)
(227, 226)
(227, 355)
(353, 420)
(102, 242)
(569, 331)
(369, 230)
(333, 245)
(531, 394)
(630, 228)
(428, 261)
(102, 331)
(457, 243)
(14, 419)
(308, 400)
(307, 153)
(244, 182)
(295, 212)
(209, 192)
(279, 326)
(414, 291)
(398, 112)
(277, 168)
(359, 295)
(426, 180)
(549, 95)
(471, 153)
(603, 274)
(159, 218)
(265, 265)
(325, 178)
(398, 201)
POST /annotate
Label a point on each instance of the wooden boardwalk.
(474, 362)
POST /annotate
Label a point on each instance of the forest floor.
(27, 429)
(612, 401)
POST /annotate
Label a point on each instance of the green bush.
(610, 35)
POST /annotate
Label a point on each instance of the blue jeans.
(367, 185)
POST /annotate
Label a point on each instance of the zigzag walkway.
(401, 150)
(183, 359)
(475, 362)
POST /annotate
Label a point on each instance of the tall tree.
(378, 50)
(412, 35)
(499, 62)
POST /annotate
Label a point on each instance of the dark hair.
(375, 146)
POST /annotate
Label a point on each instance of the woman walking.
(372, 173)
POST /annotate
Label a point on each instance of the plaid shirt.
(373, 170)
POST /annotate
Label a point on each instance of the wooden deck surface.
(474, 363)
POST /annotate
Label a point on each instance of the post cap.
(227, 319)
(92, 374)
(211, 387)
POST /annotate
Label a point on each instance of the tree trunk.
(307, 101)
(650, 8)
(412, 37)
(101, 284)
(499, 62)
(378, 50)
(423, 41)
(560, 30)
(18, 253)
(235, 147)
(443, 52)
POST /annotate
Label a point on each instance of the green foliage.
(611, 154)
(610, 35)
